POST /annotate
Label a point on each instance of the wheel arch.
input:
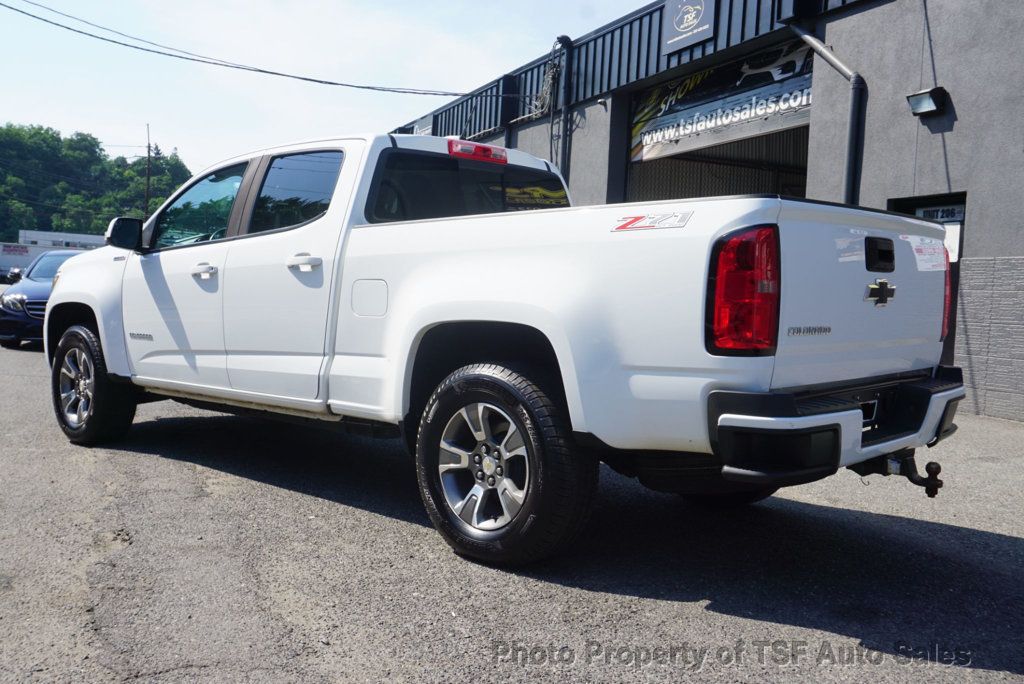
(61, 317)
(444, 346)
(68, 313)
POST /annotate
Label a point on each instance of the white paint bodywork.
(824, 283)
(624, 311)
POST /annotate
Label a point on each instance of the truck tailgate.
(862, 294)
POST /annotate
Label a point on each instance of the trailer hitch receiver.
(904, 464)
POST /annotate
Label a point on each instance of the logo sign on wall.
(685, 23)
(765, 92)
(424, 126)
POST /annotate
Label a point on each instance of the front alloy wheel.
(76, 387)
(90, 406)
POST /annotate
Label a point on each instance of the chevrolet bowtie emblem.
(881, 292)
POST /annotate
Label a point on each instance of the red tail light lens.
(947, 303)
(744, 293)
(471, 150)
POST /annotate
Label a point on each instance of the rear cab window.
(411, 185)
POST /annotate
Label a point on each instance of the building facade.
(690, 98)
(48, 238)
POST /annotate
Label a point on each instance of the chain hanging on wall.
(543, 102)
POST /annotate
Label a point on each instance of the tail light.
(471, 150)
(947, 303)
(743, 293)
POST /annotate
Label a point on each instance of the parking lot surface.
(208, 547)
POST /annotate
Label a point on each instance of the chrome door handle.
(204, 270)
(304, 262)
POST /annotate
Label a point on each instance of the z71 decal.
(650, 221)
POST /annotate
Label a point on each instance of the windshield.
(47, 266)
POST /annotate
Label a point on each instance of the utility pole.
(145, 212)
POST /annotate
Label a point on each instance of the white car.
(777, 65)
(444, 291)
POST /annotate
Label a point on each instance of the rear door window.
(297, 189)
(409, 185)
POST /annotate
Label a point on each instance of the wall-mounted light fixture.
(928, 102)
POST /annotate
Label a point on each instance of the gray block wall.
(597, 153)
(991, 346)
(973, 50)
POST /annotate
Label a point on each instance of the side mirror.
(125, 232)
(14, 275)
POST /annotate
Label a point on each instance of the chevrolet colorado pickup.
(446, 293)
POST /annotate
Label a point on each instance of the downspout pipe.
(855, 129)
(566, 134)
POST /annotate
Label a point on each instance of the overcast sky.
(74, 83)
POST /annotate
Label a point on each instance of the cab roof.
(424, 143)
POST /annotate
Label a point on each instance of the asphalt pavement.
(207, 547)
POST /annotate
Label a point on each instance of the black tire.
(112, 405)
(729, 499)
(10, 344)
(558, 486)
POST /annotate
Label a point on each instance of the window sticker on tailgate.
(928, 252)
(850, 249)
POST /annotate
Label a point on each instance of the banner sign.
(685, 23)
(766, 92)
(424, 126)
(17, 250)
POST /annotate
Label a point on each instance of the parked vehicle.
(23, 304)
(719, 348)
(16, 257)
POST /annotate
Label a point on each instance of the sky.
(53, 77)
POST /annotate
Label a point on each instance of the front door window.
(202, 212)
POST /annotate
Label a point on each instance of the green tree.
(70, 184)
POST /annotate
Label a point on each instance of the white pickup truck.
(445, 292)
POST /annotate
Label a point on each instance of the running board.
(347, 425)
(212, 402)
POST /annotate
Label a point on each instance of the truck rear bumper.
(788, 438)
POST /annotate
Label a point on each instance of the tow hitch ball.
(902, 463)
(907, 467)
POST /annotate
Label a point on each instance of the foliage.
(70, 184)
(189, 221)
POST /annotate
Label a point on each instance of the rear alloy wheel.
(90, 407)
(497, 469)
(483, 465)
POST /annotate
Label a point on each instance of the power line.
(63, 208)
(129, 36)
(24, 167)
(231, 65)
(19, 167)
